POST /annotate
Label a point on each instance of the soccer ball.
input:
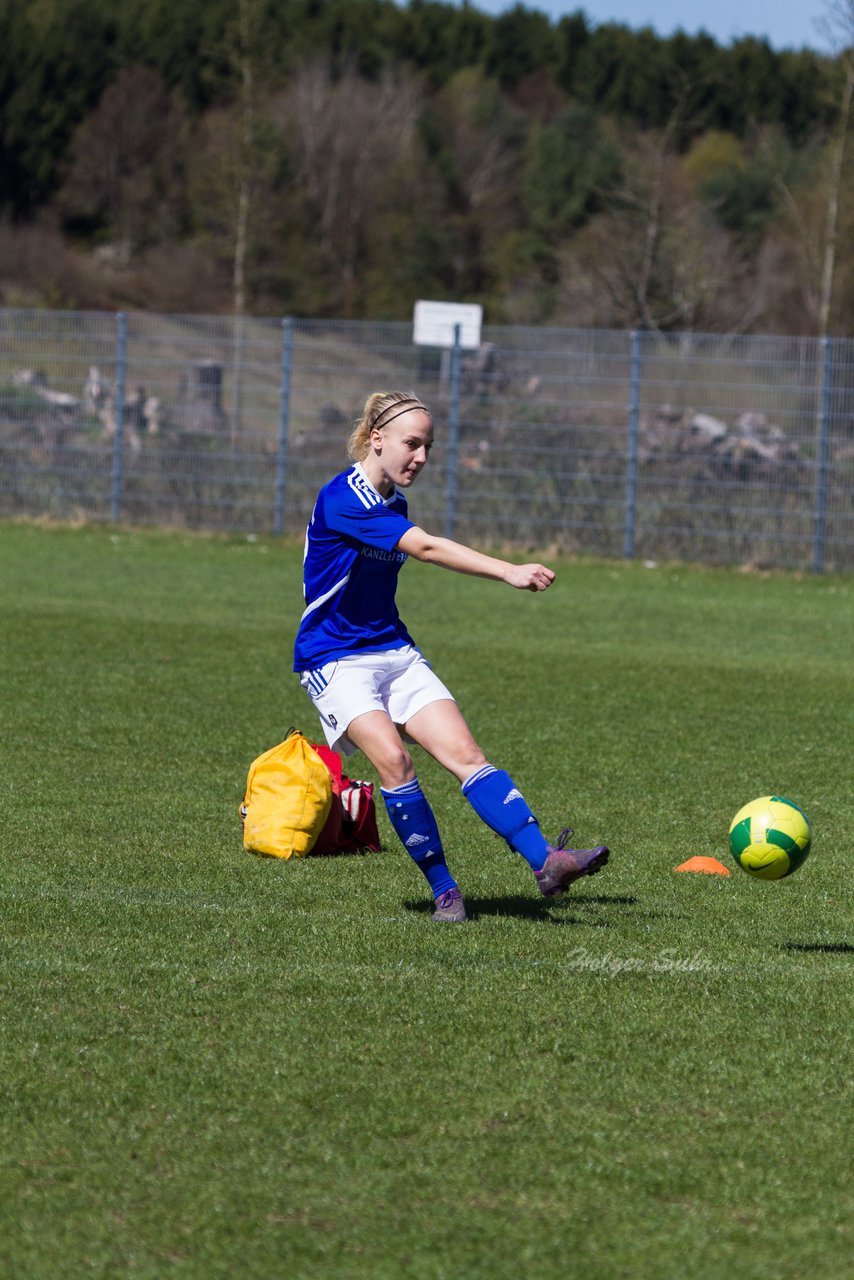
(770, 838)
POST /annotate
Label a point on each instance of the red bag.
(352, 822)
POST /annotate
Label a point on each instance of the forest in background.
(343, 158)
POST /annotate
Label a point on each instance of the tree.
(736, 184)
(350, 139)
(523, 41)
(475, 142)
(812, 190)
(125, 173)
(654, 253)
(572, 167)
(247, 32)
(55, 62)
(840, 26)
(440, 40)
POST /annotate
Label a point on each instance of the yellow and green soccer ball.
(770, 838)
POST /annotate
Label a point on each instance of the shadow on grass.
(830, 948)
(542, 910)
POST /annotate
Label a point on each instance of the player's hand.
(530, 577)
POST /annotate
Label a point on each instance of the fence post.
(632, 446)
(453, 437)
(119, 414)
(238, 338)
(822, 455)
(284, 423)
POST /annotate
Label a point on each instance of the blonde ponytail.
(378, 413)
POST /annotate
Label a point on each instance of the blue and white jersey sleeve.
(350, 572)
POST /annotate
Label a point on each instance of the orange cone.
(706, 866)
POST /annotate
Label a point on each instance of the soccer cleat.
(563, 865)
(450, 907)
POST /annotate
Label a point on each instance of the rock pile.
(750, 441)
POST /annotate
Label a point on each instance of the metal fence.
(700, 447)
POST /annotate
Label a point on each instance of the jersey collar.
(357, 466)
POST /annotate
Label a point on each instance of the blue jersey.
(350, 572)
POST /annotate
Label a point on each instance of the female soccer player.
(372, 687)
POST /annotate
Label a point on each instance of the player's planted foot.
(450, 906)
(563, 865)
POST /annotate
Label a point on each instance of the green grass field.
(214, 1065)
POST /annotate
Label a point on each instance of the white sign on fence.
(433, 324)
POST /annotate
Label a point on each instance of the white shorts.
(397, 681)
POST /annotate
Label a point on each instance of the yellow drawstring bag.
(287, 801)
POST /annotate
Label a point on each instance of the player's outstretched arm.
(454, 555)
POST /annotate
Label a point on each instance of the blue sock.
(413, 820)
(496, 799)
